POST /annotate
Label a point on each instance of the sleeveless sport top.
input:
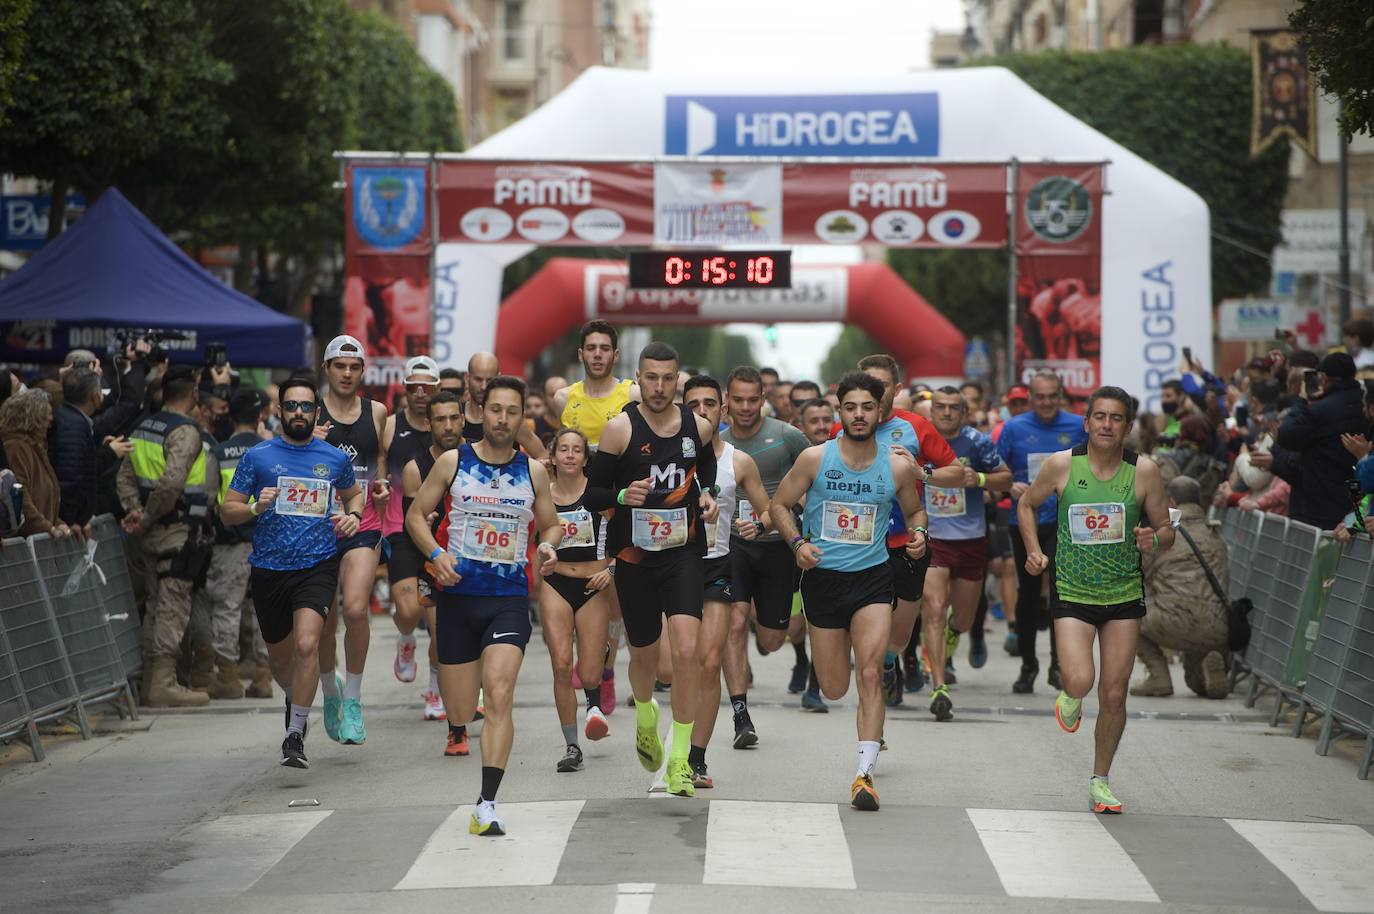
(358, 440)
(406, 442)
(1096, 560)
(490, 512)
(472, 431)
(718, 534)
(424, 462)
(589, 415)
(847, 510)
(584, 533)
(670, 518)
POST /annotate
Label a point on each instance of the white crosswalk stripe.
(751, 843)
(1330, 864)
(453, 859)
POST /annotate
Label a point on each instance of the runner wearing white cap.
(354, 424)
(406, 434)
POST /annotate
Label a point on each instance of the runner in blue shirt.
(1026, 442)
(288, 484)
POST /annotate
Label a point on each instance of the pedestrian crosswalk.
(1011, 853)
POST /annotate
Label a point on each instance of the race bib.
(746, 511)
(842, 522)
(656, 529)
(1097, 525)
(945, 502)
(302, 496)
(490, 539)
(1033, 464)
(578, 529)
(710, 536)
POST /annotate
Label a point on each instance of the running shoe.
(456, 746)
(680, 778)
(862, 795)
(812, 701)
(977, 652)
(892, 685)
(333, 710)
(293, 751)
(995, 610)
(596, 728)
(1103, 800)
(745, 734)
(1052, 678)
(351, 729)
(608, 692)
(950, 678)
(1069, 712)
(915, 679)
(571, 760)
(940, 705)
(404, 664)
(1025, 683)
(798, 683)
(661, 686)
(1012, 644)
(484, 821)
(434, 707)
(700, 779)
(648, 745)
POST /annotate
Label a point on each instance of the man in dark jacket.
(72, 446)
(1308, 453)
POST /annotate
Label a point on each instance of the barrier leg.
(1278, 709)
(1368, 757)
(1253, 692)
(1301, 721)
(1324, 737)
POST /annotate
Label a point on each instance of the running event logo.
(1059, 209)
(388, 205)
(877, 124)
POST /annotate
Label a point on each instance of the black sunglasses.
(302, 406)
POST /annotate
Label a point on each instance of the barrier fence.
(1312, 628)
(69, 631)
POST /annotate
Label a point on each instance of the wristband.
(357, 514)
(620, 497)
(713, 491)
(437, 551)
(982, 480)
(795, 542)
(920, 530)
(1156, 545)
(253, 508)
(759, 524)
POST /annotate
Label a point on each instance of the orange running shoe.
(862, 795)
(457, 745)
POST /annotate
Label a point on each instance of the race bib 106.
(945, 502)
(656, 529)
(843, 522)
(578, 529)
(1097, 524)
(490, 539)
(302, 496)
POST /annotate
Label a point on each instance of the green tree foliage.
(708, 350)
(1339, 35)
(852, 345)
(13, 15)
(399, 106)
(968, 287)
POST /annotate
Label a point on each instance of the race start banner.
(1059, 274)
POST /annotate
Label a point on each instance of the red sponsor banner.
(1059, 274)
(387, 307)
(612, 298)
(915, 206)
(550, 203)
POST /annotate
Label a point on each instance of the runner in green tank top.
(1096, 590)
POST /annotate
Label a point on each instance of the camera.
(216, 355)
(125, 337)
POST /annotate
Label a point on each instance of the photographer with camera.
(1360, 488)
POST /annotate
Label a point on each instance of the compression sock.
(353, 686)
(569, 734)
(696, 756)
(644, 713)
(739, 703)
(593, 696)
(800, 649)
(682, 740)
(491, 782)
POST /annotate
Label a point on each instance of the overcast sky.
(774, 37)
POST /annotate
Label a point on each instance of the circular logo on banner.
(897, 226)
(841, 226)
(598, 225)
(388, 205)
(486, 223)
(541, 224)
(1059, 209)
(955, 227)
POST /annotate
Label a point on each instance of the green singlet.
(1096, 560)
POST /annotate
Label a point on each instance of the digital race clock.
(706, 269)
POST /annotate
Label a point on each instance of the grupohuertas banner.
(717, 203)
(1059, 274)
(388, 240)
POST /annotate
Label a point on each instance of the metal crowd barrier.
(60, 650)
(1312, 628)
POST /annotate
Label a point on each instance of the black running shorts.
(908, 574)
(831, 598)
(405, 561)
(468, 624)
(1097, 616)
(766, 575)
(574, 591)
(363, 539)
(278, 594)
(649, 591)
(716, 579)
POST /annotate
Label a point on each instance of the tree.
(13, 15)
(852, 345)
(1339, 35)
(968, 287)
(401, 103)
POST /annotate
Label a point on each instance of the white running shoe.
(404, 667)
(597, 727)
(434, 707)
(484, 820)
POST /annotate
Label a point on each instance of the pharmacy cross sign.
(1313, 327)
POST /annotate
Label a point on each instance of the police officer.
(166, 486)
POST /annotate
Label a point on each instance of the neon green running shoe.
(1068, 711)
(940, 705)
(679, 778)
(648, 745)
(951, 641)
(1104, 802)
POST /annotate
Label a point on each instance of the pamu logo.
(667, 478)
(886, 124)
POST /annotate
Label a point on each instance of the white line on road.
(528, 855)
(634, 897)
(1329, 864)
(227, 855)
(754, 843)
(1058, 855)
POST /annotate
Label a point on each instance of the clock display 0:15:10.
(717, 271)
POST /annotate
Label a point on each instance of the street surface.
(188, 811)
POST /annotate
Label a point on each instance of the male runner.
(735, 472)
(803, 392)
(850, 485)
(497, 496)
(482, 367)
(287, 484)
(406, 434)
(353, 424)
(958, 540)
(1026, 442)
(1096, 589)
(764, 570)
(656, 468)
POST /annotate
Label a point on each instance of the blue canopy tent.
(113, 269)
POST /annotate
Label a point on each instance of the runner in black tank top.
(407, 442)
(357, 439)
(670, 465)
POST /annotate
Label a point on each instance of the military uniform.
(169, 476)
(1184, 612)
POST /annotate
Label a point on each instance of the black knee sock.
(800, 649)
(696, 755)
(593, 696)
(739, 703)
(491, 782)
(980, 618)
(812, 683)
(459, 730)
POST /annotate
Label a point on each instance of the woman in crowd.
(24, 420)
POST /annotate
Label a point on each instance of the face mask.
(1168, 407)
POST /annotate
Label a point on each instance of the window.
(513, 29)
